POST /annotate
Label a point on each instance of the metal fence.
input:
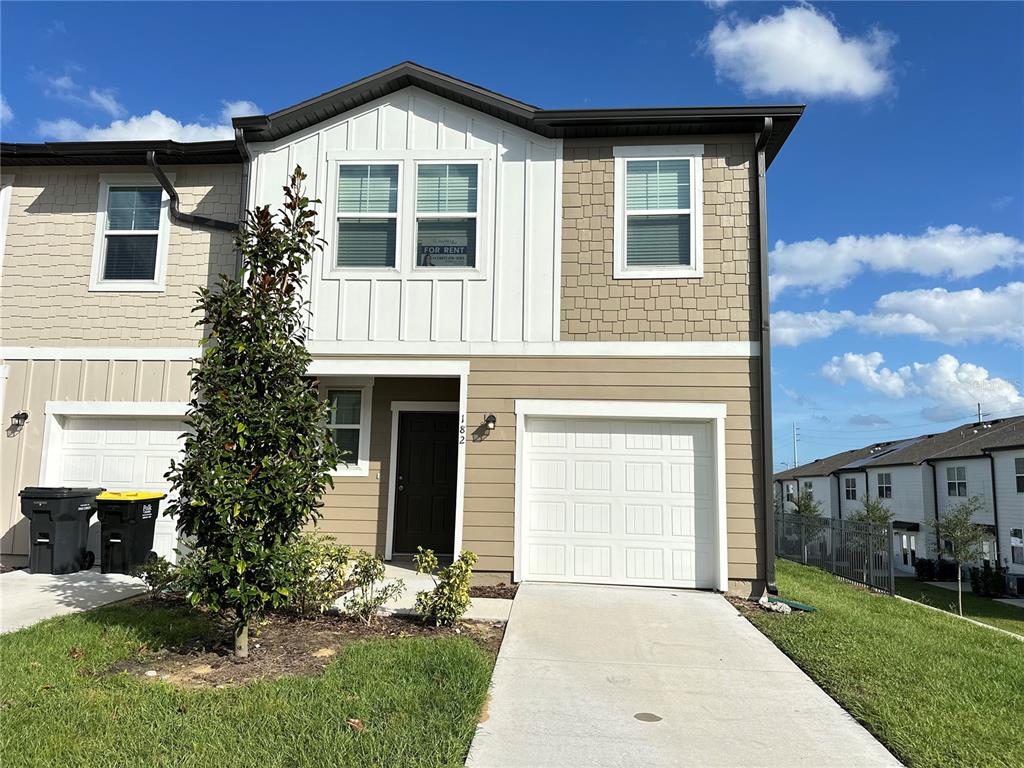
(860, 552)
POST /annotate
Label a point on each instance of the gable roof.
(964, 441)
(552, 123)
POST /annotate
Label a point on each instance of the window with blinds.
(658, 210)
(367, 215)
(132, 233)
(446, 214)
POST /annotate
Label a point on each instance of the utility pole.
(796, 437)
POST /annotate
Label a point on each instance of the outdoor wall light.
(18, 420)
(491, 421)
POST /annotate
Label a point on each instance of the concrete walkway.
(480, 609)
(603, 677)
(1017, 602)
(27, 598)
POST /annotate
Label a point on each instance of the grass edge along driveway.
(419, 699)
(937, 691)
(983, 609)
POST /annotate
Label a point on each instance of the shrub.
(159, 573)
(370, 593)
(988, 581)
(925, 569)
(447, 602)
(319, 567)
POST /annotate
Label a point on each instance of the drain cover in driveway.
(647, 717)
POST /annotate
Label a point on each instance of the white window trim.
(713, 413)
(476, 216)
(956, 482)
(695, 154)
(879, 484)
(399, 407)
(361, 466)
(850, 484)
(405, 246)
(338, 215)
(159, 281)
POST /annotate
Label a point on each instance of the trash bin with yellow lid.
(127, 525)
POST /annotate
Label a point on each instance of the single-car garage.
(620, 493)
(114, 451)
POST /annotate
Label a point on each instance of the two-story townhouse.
(97, 283)
(1005, 452)
(542, 333)
(921, 478)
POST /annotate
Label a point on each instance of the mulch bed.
(285, 645)
(502, 591)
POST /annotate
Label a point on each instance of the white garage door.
(618, 502)
(121, 454)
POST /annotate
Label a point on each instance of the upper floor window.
(789, 491)
(658, 226)
(131, 235)
(367, 215)
(1018, 469)
(851, 488)
(446, 214)
(885, 485)
(956, 481)
(809, 488)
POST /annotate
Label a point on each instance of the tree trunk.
(959, 590)
(242, 640)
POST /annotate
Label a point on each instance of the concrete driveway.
(26, 598)
(622, 676)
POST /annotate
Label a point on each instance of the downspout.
(190, 219)
(935, 506)
(995, 503)
(767, 463)
(867, 486)
(243, 197)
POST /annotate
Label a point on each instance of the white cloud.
(954, 388)
(865, 369)
(936, 314)
(6, 114)
(155, 125)
(65, 88)
(952, 251)
(867, 420)
(801, 51)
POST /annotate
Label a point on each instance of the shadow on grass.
(159, 623)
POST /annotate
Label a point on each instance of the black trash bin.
(59, 528)
(127, 524)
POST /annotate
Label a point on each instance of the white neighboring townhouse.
(921, 478)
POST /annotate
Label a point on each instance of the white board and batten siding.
(512, 294)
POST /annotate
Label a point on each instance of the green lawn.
(419, 699)
(936, 690)
(981, 609)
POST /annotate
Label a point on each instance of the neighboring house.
(920, 478)
(539, 330)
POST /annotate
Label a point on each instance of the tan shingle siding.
(720, 306)
(45, 298)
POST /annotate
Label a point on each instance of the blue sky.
(896, 210)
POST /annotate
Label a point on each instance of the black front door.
(425, 482)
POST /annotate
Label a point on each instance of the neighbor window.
(446, 214)
(956, 481)
(789, 491)
(809, 488)
(131, 236)
(657, 216)
(367, 215)
(1018, 468)
(851, 488)
(1017, 546)
(884, 485)
(908, 548)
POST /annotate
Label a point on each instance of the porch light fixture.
(491, 421)
(18, 420)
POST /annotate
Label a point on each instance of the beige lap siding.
(45, 298)
(720, 306)
(355, 510)
(31, 383)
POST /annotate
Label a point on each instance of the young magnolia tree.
(965, 537)
(258, 458)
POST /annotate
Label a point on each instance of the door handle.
(401, 487)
